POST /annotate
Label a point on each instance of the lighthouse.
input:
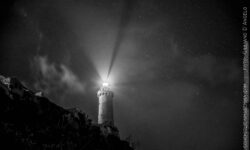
(105, 108)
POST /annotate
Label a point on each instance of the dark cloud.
(54, 76)
(213, 70)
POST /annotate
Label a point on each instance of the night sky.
(176, 65)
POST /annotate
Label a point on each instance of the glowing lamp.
(106, 84)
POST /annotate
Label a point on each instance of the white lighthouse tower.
(105, 111)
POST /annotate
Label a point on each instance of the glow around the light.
(105, 84)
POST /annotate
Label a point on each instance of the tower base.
(108, 129)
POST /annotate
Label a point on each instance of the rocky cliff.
(28, 120)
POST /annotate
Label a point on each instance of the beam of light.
(126, 14)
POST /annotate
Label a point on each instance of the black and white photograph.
(124, 75)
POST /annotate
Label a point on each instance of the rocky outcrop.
(28, 120)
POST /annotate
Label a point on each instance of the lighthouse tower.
(105, 111)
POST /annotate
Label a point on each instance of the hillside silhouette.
(28, 120)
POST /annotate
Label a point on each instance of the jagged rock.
(28, 120)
